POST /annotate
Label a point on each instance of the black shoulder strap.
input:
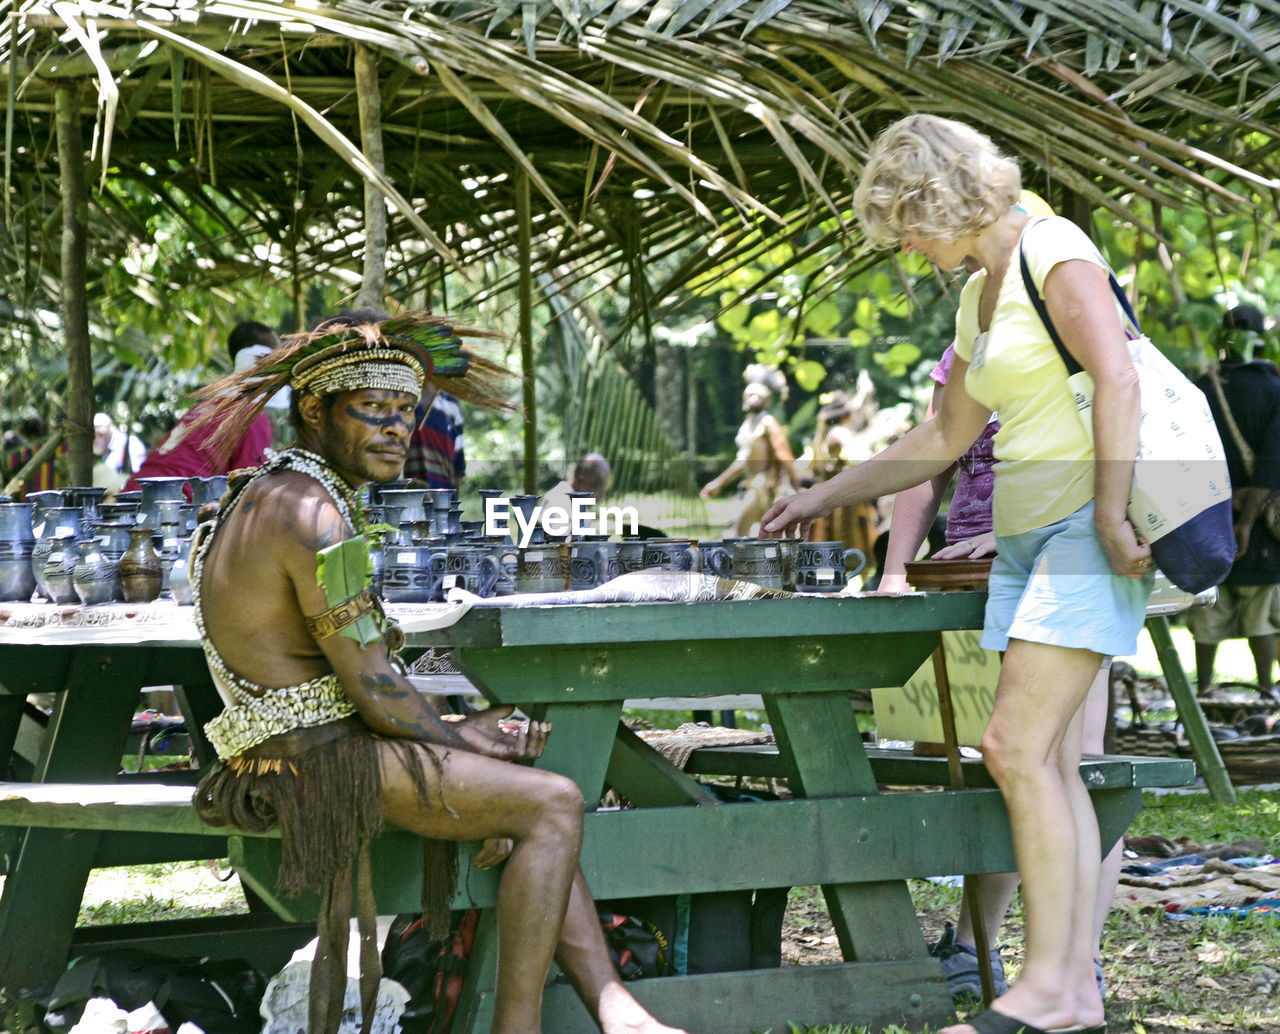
(1042, 311)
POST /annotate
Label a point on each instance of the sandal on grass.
(989, 1021)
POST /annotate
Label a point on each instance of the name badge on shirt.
(979, 351)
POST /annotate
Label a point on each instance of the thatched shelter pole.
(75, 304)
(373, 284)
(528, 379)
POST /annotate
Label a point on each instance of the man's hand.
(711, 488)
(482, 733)
(492, 852)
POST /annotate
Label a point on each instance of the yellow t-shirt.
(1044, 468)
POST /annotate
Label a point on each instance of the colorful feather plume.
(435, 342)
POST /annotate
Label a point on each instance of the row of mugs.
(421, 573)
(789, 564)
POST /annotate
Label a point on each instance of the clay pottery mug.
(470, 567)
(543, 568)
(759, 561)
(673, 555)
(790, 549)
(586, 565)
(716, 559)
(411, 574)
(141, 572)
(631, 555)
(508, 559)
(826, 566)
(609, 558)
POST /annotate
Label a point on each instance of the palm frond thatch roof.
(640, 128)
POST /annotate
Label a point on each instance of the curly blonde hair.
(933, 178)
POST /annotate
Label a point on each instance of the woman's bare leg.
(996, 890)
(1032, 749)
(1095, 730)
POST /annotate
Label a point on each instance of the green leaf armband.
(344, 572)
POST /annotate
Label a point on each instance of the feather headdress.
(357, 351)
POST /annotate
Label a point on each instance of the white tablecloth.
(162, 621)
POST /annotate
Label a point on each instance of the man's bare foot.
(620, 1013)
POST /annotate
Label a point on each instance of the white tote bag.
(1180, 501)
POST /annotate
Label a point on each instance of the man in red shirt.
(185, 452)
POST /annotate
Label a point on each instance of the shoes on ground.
(960, 966)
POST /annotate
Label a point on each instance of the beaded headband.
(361, 367)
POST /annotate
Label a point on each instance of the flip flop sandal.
(989, 1021)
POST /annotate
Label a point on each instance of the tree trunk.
(668, 401)
(75, 305)
(528, 374)
(373, 283)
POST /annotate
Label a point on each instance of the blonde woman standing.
(1070, 579)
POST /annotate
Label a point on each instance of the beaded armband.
(341, 614)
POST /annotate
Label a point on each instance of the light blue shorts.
(1054, 585)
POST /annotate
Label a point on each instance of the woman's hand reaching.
(968, 549)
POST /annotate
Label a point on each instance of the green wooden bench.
(898, 768)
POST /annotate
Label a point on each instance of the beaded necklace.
(314, 465)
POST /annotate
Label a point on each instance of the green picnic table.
(575, 664)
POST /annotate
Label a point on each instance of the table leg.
(1203, 746)
(42, 892)
(818, 735)
(199, 703)
(11, 708)
(573, 748)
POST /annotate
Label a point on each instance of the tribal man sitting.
(321, 731)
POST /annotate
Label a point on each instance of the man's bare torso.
(248, 596)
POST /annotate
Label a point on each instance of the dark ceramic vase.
(155, 491)
(17, 579)
(140, 571)
(88, 498)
